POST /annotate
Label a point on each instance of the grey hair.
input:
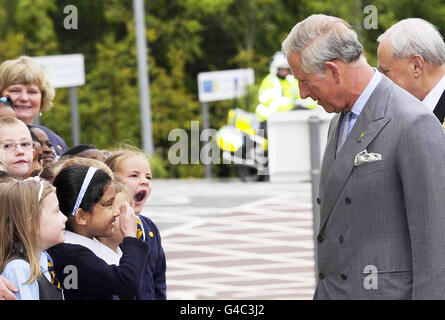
(415, 36)
(321, 38)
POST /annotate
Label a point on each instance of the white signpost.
(221, 85)
(224, 85)
(66, 71)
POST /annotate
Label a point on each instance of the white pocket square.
(365, 157)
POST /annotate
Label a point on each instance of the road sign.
(66, 71)
(63, 71)
(224, 85)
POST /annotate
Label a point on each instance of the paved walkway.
(261, 249)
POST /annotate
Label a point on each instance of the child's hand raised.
(127, 220)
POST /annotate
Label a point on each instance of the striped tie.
(52, 272)
(140, 230)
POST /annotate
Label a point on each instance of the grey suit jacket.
(382, 224)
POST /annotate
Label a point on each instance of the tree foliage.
(184, 37)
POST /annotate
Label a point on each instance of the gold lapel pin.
(361, 137)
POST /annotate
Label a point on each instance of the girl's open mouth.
(140, 196)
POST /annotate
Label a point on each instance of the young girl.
(48, 151)
(16, 142)
(30, 223)
(86, 195)
(112, 243)
(133, 169)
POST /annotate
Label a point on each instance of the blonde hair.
(8, 121)
(116, 157)
(119, 186)
(24, 70)
(20, 222)
(52, 170)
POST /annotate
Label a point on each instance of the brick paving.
(261, 249)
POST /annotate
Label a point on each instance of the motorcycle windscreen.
(229, 138)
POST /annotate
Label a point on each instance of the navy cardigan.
(154, 285)
(96, 280)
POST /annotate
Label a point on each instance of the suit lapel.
(329, 154)
(439, 110)
(369, 124)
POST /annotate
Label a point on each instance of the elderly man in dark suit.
(382, 193)
(412, 54)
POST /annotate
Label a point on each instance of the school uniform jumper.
(93, 278)
(154, 285)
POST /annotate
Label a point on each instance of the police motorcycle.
(243, 140)
(243, 143)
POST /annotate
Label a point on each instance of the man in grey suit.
(382, 183)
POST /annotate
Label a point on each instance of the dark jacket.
(439, 110)
(154, 285)
(93, 278)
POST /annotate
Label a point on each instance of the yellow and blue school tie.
(52, 272)
(140, 230)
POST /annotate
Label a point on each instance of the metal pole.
(314, 141)
(74, 116)
(143, 79)
(205, 125)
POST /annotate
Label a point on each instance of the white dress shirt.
(432, 98)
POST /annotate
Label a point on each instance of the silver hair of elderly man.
(318, 39)
(413, 36)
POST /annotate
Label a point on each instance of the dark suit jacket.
(384, 218)
(439, 110)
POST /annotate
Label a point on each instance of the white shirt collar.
(99, 249)
(360, 103)
(432, 98)
(44, 264)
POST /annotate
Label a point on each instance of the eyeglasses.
(10, 147)
(6, 100)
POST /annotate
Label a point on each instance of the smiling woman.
(31, 93)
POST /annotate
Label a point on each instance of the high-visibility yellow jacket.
(277, 94)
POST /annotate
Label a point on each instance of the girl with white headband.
(86, 197)
(30, 223)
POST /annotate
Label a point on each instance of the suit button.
(321, 275)
(320, 238)
(348, 200)
(341, 239)
(318, 200)
(344, 277)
